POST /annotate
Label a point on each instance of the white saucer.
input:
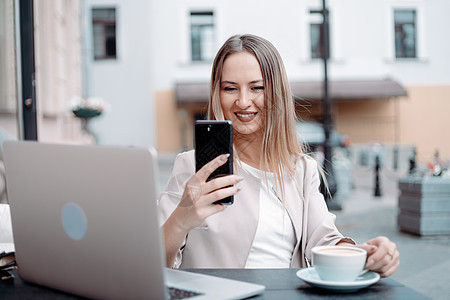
(310, 276)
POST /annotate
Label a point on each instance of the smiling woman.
(278, 214)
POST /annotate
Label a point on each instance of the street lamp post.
(327, 121)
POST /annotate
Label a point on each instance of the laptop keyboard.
(174, 293)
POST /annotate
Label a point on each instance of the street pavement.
(424, 261)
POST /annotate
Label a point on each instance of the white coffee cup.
(339, 263)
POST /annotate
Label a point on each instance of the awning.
(351, 89)
(198, 92)
(192, 92)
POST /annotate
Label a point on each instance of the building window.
(405, 33)
(316, 45)
(104, 33)
(315, 32)
(202, 35)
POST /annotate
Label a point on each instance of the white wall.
(165, 41)
(124, 83)
(362, 42)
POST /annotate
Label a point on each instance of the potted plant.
(87, 108)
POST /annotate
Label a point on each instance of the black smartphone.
(211, 139)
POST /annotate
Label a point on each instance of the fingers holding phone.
(214, 140)
(222, 186)
(214, 182)
(204, 174)
(201, 188)
(200, 196)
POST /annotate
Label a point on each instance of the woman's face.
(242, 93)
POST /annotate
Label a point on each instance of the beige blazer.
(224, 240)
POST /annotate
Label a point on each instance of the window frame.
(403, 51)
(421, 46)
(201, 12)
(312, 53)
(104, 25)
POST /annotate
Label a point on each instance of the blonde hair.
(280, 146)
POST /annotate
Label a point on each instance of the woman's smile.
(245, 116)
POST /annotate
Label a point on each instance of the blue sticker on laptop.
(74, 221)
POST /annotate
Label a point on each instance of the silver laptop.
(84, 221)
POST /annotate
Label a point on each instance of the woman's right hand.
(197, 201)
(197, 204)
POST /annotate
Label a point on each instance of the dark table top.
(284, 284)
(280, 284)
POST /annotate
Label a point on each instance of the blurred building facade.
(151, 61)
(378, 49)
(58, 66)
(7, 68)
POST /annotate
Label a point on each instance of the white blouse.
(275, 240)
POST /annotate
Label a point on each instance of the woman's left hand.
(382, 256)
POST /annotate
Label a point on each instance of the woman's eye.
(258, 88)
(229, 89)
